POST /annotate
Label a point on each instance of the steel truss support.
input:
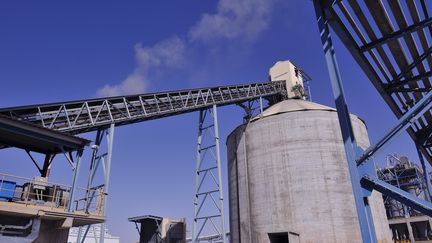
(363, 175)
(90, 115)
(252, 108)
(100, 158)
(208, 201)
(44, 171)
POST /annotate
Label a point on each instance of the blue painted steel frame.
(363, 176)
(362, 206)
(403, 123)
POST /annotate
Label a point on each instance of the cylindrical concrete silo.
(289, 179)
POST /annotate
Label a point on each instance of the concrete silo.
(289, 180)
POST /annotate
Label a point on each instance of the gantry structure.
(102, 115)
(391, 42)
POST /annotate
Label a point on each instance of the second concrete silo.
(289, 180)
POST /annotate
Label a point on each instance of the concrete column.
(410, 232)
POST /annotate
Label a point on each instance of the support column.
(252, 108)
(207, 209)
(219, 170)
(110, 140)
(47, 165)
(74, 180)
(99, 156)
(362, 206)
(93, 166)
(410, 231)
(261, 107)
(94, 163)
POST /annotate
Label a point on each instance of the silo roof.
(291, 105)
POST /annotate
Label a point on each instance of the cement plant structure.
(405, 223)
(391, 44)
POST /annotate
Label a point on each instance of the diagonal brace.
(406, 120)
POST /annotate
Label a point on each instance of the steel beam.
(404, 122)
(394, 87)
(414, 64)
(76, 169)
(252, 108)
(397, 34)
(400, 195)
(363, 211)
(47, 165)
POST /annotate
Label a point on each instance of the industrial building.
(406, 223)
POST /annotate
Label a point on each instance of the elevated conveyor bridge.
(82, 116)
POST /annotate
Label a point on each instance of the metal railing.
(50, 196)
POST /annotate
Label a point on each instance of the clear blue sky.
(55, 51)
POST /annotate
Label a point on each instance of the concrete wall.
(50, 233)
(288, 173)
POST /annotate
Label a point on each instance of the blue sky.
(55, 51)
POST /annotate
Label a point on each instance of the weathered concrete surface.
(51, 233)
(288, 173)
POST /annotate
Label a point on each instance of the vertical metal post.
(426, 175)
(197, 177)
(74, 180)
(261, 106)
(363, 212)
(99, 137)
(79, 234)
(218, 162)
(207, 184)
(110, 140)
